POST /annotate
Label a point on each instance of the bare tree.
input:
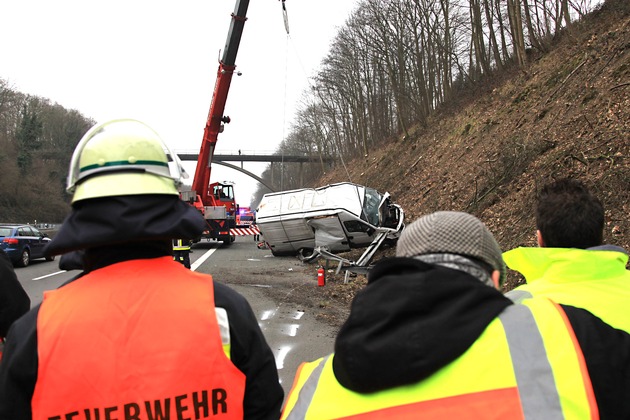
(516, 27)
(492, 38)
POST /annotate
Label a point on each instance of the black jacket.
(414, 318)
(250, 352)
(14, 301)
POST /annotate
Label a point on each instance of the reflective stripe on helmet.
(148, 166)
(119, 147)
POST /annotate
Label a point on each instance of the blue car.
(23, 243)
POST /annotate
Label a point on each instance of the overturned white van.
(335, 218)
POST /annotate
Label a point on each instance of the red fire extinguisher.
(321, 276)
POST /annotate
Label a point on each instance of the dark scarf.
(107, 221)
(411, 319)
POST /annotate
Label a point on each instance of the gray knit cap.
(451, 232)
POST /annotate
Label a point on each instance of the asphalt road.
(291, 329)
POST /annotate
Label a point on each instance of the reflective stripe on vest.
(518, 296)
(534, 375)
(528, 373)
(180, 245)
(224, 328)
(134, 340)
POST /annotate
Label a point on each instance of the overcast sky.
(157, 61)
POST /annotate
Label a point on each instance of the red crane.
(216, 200)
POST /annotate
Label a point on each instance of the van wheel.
(307, 255)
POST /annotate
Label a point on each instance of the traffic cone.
(321, 276)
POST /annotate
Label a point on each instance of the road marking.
(268, 314)
(193, 267)
(291, 329)
(282, 354)
(201, 259)
(49, 275)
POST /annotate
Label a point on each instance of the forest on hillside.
(37, 138)
(395, 62)
(390, 67)
(489, 150)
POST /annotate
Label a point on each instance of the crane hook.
(285, 17)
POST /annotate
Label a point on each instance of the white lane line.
(268, 314)
(282, 354)
(289, 329)
(193, 266)
(201, 259)
(49, 275)
(292, 330)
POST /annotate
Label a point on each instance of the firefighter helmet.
(122, 157)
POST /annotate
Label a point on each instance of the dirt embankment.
(489, 151)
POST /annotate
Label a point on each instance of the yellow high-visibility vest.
(526, 365)
(594, 280)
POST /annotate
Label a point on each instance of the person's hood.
(107, 221)
(72, 260)
(555, 263)
(408, 322)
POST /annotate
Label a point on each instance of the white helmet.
(122, 157)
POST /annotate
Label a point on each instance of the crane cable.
(286, 27)
(308, 81)
(285, 18)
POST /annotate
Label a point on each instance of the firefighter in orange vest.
(431, 337)
(135, 335)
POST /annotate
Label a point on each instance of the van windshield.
(370, 206)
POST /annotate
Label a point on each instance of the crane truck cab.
(219, 211)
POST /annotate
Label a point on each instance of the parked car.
(23, 243)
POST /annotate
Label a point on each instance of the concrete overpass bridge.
(223, 159)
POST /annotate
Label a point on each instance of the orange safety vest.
(526, 365)
(134, 340)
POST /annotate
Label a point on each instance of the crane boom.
(216, 119)
(216, 201)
